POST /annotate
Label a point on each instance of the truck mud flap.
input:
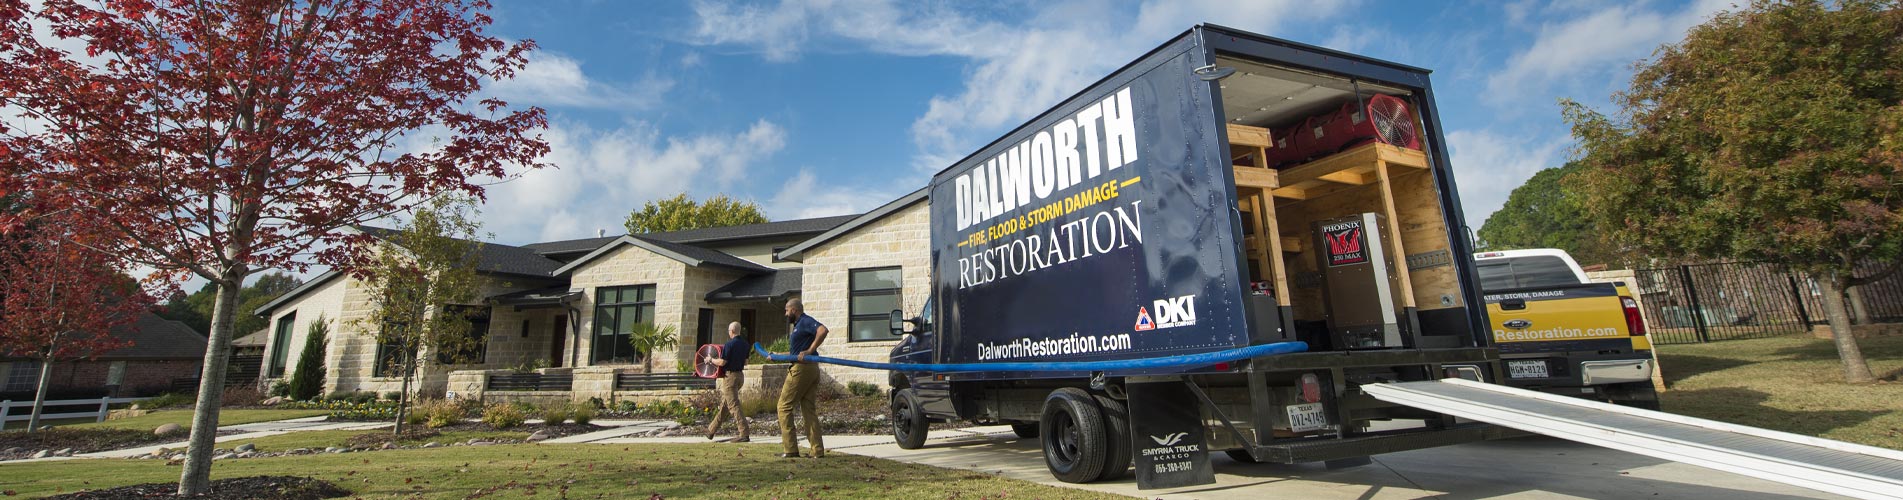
(1327, 449)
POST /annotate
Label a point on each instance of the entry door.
(557, 352)
(705, 335)
(746, 321)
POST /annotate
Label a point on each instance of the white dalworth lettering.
(1097, 234)
(1046, 163)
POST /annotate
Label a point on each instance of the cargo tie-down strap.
(1179, 361)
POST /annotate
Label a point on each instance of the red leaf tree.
(59, 299)
(218, 138)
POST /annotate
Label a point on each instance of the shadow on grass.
(1680, 367)
(1873, 348)
(1746, 407)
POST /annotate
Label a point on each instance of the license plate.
(1527, 369)
(1306, 417)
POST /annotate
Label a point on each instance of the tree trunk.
(403, 399)
(1855, 370)
(1858, 311)
(196, 478)
(39, 397)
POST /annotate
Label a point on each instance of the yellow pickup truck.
(1559, 333)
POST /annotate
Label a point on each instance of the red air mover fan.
(1393, 122)
(704, 366)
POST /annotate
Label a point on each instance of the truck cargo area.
(1815, 463)
(1308, 147)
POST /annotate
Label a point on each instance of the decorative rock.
(272, 401)
(166, 429)
(333, 449)
(389, 446)
(43, 454)
(222, 456)
(431, 444)
(64, 452)
(247, 447)
(473, 441)
(538, 436)
(175, 462)
(299, 451)
(12, 450)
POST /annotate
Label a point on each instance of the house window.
(281, 344)
(389, 360)
(23, 376)
(875, 294)
(617, 310)
(474, 349)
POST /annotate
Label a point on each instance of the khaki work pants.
(798, 392)
(729, 391)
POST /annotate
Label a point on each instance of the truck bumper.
(1615, 371)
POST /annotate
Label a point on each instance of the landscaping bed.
(68, 441)
(237, 488)
(838, 415)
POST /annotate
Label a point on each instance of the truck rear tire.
(1072, 431)
(909, 424)
(1116, 420)
(1025, 431)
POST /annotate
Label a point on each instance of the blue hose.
(1180, 361)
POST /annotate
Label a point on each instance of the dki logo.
(1180, 311)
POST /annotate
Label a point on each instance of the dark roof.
(255, 339)
(760, 286)
(794, 253)
(154, 337)
(491, 257)
(705, 255)
(539, 296)
(751, 231)
(571, 246)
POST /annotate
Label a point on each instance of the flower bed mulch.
(18, 445)
(237, 488)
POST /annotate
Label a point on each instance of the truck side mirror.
(898, 322)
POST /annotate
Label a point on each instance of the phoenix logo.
(1169, 439)
(1344, 242)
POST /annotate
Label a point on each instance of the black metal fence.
(1724, 301)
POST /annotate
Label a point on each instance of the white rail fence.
(25, 409)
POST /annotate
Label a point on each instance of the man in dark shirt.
(801, 380)
(733, 365)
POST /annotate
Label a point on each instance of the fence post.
(1698, 311)
(1798, 295)
(5, 408)
(104, 402)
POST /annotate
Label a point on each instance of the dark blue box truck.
(1225, 190)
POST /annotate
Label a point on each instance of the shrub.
(555, 414)
(280, 389)
(584, 414)
(166, 400)
(759, 404)
(597, 403)
(307, 380)
(414, 417)
(242, 395)
(438, 413)
(627, 406)
(363, 397)
(862, 389)
(503, 416)
(393, 395)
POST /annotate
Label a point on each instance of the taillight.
(1311, 388)
(1633, 322)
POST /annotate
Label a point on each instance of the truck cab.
(1559, 332)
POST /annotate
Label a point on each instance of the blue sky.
(826, 107)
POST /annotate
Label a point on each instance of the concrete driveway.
(1536, 467)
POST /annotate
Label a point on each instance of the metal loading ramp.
(1820, 464)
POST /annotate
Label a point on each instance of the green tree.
(424, 265)
(680, 213)
(1772, 133)
(308, 381)
(1544, 213)
(648, 340)
(195, 309)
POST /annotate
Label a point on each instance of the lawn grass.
(566, 471)
(183, 417)
(1791, 384)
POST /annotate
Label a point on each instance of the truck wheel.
(1025, 431)
(1073, 435)
(1242, 456)
(908, 420)
(1641, 395)
(1116, 423)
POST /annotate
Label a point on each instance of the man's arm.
(819, 336)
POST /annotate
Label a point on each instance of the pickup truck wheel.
(909, 424)
(1116, 422)
(1072, 432)
(1025, 431)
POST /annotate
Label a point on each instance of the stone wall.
(629, 265)
(326, 301)
(903, 239)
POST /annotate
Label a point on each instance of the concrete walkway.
(1516, 468)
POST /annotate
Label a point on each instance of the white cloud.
(552, 80)
(1592, 47)
(1487, 166)
(603, 174)
(1017, 69)
(805, 196)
